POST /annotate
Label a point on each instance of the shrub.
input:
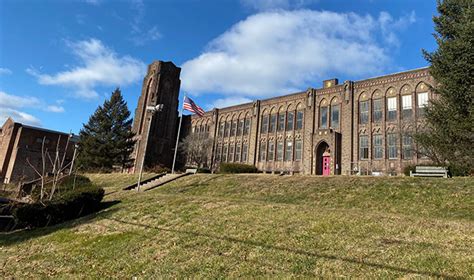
(69, 205)
(203, 170)
(408, 168)
(237, 168)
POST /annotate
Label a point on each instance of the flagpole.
(177, 138)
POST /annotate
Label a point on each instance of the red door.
(326, 165)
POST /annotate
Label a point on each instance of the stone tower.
(160, 86)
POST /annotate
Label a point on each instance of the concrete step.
(161, 181)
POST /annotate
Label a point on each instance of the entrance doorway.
(323, 159)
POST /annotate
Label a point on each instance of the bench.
(429, 171)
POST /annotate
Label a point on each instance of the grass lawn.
(210, 226)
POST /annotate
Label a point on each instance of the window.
(224, 153)
(422, 103)
(407, 151)
(273, 120)
(233, 128)
(244, 152)
(247, 126)
(378, 146)
(392, 109)
(378, 109)
(231, 152)
(363, 147)
(281, 121)
(271, 150)
(335, 116)
(240, 128)
(406, 107)
(364, 112)
(227, 129)
(279, 150)
(324, 117)
(237, 152)
(264, 126)
(290, 118)
(221, 129)
(392, 145)
(298, 149)
(218, 152)
(299, 120)
(289, 150)
(263, 150)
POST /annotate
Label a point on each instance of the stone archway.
(321, 149)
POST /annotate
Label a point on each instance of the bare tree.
(197, 149)
(58, 167)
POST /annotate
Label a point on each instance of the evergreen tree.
(107, 140)
(449, 137)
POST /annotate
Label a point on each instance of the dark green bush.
(203, 170)
(68, 205)
(408, 168)
(237, 168)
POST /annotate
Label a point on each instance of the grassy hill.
(259, 226)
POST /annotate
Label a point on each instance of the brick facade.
(20, 144)
(326, 120)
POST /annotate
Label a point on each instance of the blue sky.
(59, 60)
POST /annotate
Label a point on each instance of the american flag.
(192, 107)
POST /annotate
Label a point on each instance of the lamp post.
(152, 110)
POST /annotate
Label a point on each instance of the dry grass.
(242, 226)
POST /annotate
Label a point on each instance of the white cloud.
(389, 26)
(265, 5)
(55, 109)
(99, 66)
(5, 71)
(13, 106)
(18, 116)
(228, 101)
(140, 34)
(281, 52)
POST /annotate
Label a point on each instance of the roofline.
(392, 74)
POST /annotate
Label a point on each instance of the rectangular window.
(422, 100)
(299, 120)
(335, 116)
(363, 147)
(378, 110)
(289, 150)
(264, 126)
(273, 120)
(407, 152)
(244, 152)
(298, 150)
(271, 150)
(406, 107)
(233, 128)
(221, 129)
(263, 151)
(392, 145)
(323, 120)
(377, 146)
(247, 127)
(224, 153)
(392, 109)
(279, 150)
(290, 121)
(231, 152)
(218, 152)
(281, 121)
(227, 129)
(237, 152)
(364, 112)
(240, 128)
